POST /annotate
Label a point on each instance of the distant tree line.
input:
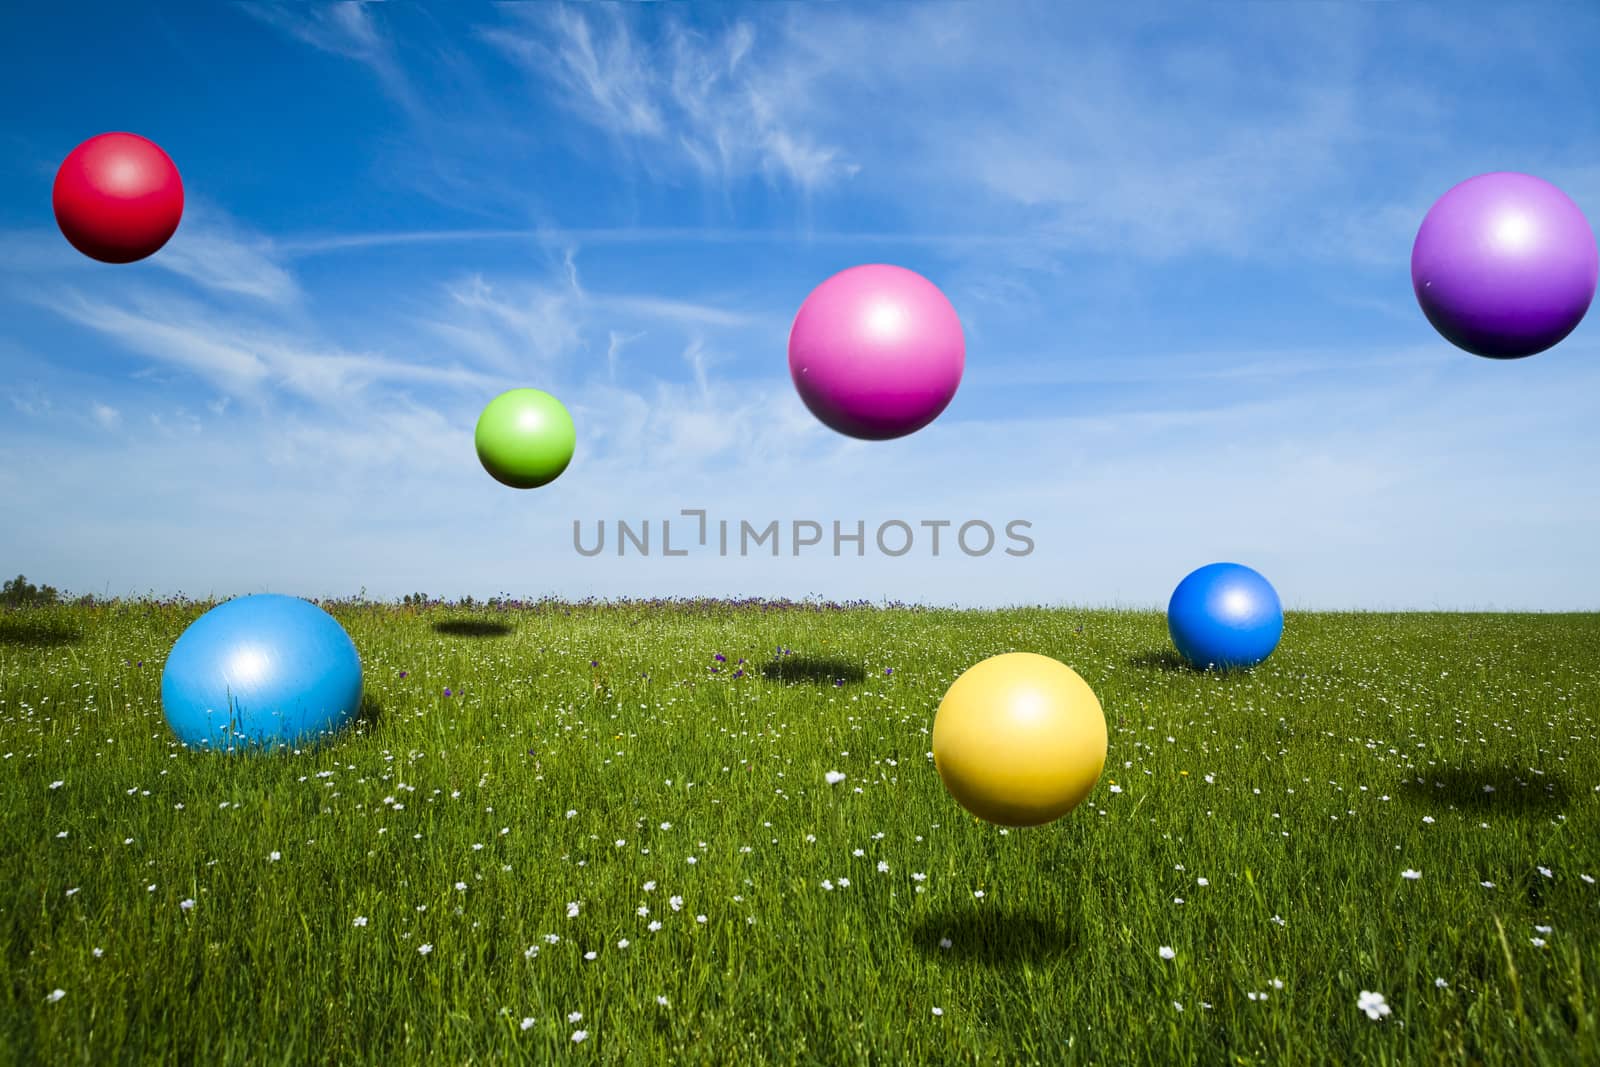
(20, 593)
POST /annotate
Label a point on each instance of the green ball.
(525, 438)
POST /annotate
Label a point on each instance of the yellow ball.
(1019, 739)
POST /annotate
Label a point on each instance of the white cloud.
(699, 95)
(107, 416)
(242, 358)
(213, 251)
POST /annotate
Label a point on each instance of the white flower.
(591, 955)
(666, 826)
(938, 1011)
(1373, 1004)
(700, 919)
(1546, 872)
(1428, 819)
(844, 883)
(274, 856)
(1538, 942)
(1277, 983)
(834, 777)
(1487, 885)
(978, 893)
(57, 785)
(579, 1035)
(527, 1024)
(1543, 929)
(1116, 789)
(570, 811)
(1587, 878)
(1176, 1005)
(99, 952)
(551, 939)
(360, 920)
(623, 943)
(858, 853)
(424, 949)
(1410, 875)
(55, 995)
(654, 926)
(530, 952)
(827, 884)
(1166, 952)
(1202, 881)
(883, 866)
(461, 887)
(1440, 983)
(945, 943)
(675, 902)
(572, 909)
(575, 1017)
(186, 904)
(662, 1001)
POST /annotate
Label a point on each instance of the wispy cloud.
(343, 29)
(699, 96)
(212, 250)
(243, 359)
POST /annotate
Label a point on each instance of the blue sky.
(1178, 237)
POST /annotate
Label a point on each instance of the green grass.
(1300, 791)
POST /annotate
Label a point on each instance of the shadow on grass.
(472, 628)
(370, 715)
(818, 670)
(991, 937)
(37, 630)
(1164, 659)
(1501, 789)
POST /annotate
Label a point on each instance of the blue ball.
(261, 671)
(1225, 615)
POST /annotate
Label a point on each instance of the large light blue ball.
(1225, 615)
(261, 671)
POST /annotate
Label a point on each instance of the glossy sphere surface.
(876, 352)
(117, 198)
(525, 438)
(1225, 615)
(1019, 739)
(1505, 265)
(261, 671)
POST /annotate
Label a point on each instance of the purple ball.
(1505, 265)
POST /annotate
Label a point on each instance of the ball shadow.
(370, 715)
(990, 937)
(816, 670)
(1164, 659)
(26, 629)
(472, 628)
(1507, 790)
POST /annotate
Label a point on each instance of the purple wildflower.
(447, 691)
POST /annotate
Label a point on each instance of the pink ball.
(876, 352)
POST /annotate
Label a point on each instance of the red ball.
(118, 197)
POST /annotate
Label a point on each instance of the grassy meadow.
(573, 831)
